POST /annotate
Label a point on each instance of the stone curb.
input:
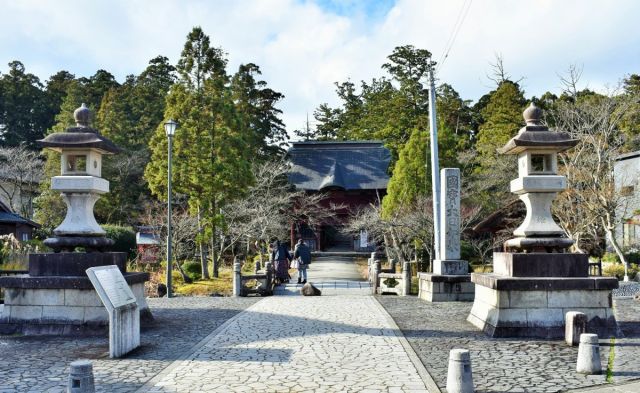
(187, 353)
(625, 387)
(430, 384)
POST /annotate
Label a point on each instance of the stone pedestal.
(450, 280)
(445, 288)
(57, 297)
(528, 295)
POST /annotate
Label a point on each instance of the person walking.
(303, 254)
(281, 257)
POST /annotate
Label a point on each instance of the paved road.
(333, 276)
(345, 343)
(300, 344)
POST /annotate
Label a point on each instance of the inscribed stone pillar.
(449, 262)
(450, 214)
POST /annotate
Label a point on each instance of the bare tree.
(592, 198)
(184, 229)
(20, 172)
(270, 207)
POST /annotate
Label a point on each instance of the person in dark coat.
(303, 253)
(281, 258)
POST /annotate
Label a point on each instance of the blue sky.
(304, 46)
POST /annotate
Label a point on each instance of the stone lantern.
(536, 282)
(57, 297)
(81, 149)
(538, 183)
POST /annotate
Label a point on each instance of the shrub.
(193, 269)
(617, 270)
(124, 238)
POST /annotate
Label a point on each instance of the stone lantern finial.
(532, 115)
(82, 116)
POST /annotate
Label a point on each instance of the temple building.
(354, 174)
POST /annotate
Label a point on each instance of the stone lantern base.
(57, 298)
(528, 295)
(445, 288)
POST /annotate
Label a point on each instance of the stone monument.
(535, 282)
(56, 297)
(120, 302)
(450, 280)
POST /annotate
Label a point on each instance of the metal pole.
(435, 166)
(169, 256)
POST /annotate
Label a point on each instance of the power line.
(462, 14)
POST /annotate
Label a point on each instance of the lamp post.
(170, 129)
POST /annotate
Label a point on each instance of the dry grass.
(363, 267)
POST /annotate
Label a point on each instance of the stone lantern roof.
(534, 135)
(80, 136)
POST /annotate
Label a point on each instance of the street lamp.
(170, 129)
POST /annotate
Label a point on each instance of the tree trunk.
(203, 254)
(214, 250)
(616, 247)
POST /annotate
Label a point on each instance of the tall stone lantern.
(81, 149)
(57, 297)
(536, 281)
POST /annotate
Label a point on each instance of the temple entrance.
(336, 238)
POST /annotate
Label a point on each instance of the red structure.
(352, 173)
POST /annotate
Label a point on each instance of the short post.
(237, 278)
(374, 276)
(459, 376)
(406, 279)
(268, 269)
(81, 377)
(589, 355)
(257, 267)
(575, 324)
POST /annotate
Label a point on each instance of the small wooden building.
(12, 223)
(354, 174)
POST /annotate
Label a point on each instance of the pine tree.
(502, 119)
(211, 147)
(410, 178)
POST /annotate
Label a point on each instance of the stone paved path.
(300, 344)
(41, 364)
(512, 365)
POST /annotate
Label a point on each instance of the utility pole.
(435, 166)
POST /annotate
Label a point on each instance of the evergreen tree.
(24, 115)
(410, 178)
(502, 119)
(211, 149)
(256, 105)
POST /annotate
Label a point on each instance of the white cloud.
(303, 49)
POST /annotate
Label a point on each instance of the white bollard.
(81, 377)
(459, 376)
(406, 279)
(589, 355)
(575, 323)
(237, 278)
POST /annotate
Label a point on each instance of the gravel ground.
(41, 364)
(627, 289)
(509, 365)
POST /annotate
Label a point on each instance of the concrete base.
(445, 288)
(60, 305)
(536, 307)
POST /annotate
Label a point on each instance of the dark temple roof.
(350, 165)
(9, 217)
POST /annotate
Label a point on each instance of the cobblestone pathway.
(41, 364)
(328, 288)
(511, 365)
(299, 344)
